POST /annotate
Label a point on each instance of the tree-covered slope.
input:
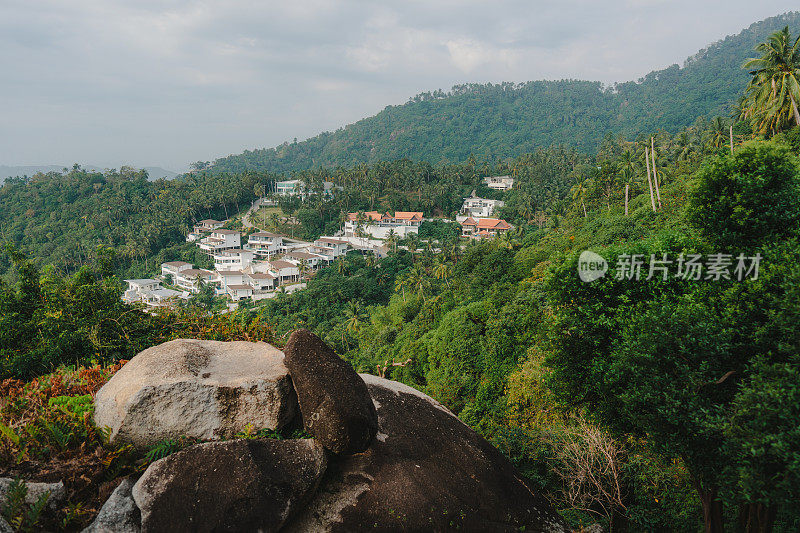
(507, 119)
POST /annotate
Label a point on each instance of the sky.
(165, 83)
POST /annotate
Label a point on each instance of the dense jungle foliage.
(639, 404)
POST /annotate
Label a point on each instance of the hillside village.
(268, 263)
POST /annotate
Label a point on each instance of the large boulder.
(56, 493)
(202, 389)
(239, 485)
(119, 514)
(424, 471)
(333, 399)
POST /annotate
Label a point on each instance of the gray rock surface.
(5, 527)
(56, 491)
(238, 485)
(333, 399)
(119, 514)
(202, 389)
(424, 471)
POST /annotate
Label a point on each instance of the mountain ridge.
(504, 120)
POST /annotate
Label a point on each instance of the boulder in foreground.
(333, 399)
(119, 514)
(239, 485)
(201, 389)
(425, 471)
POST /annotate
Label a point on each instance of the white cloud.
(166, 82)
(468, 54)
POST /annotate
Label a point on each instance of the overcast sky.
(164, 83)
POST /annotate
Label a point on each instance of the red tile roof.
(493, 223)
(408, 215)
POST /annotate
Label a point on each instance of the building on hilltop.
(185, 276)
(233, 259)
(203, 227)
(221, 239)
(299, 188)
(331, 247)
(150, 292)
(379, 225)
(499, 183)
(314, 261)
(173, 268)
(193, 279)
(284, 271)
(478, 207)
(265, 244)
(484, 227)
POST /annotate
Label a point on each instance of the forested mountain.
(508, 119)
(69, 219)
(153, 173)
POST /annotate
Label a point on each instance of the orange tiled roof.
(408, 215)
(493, 223)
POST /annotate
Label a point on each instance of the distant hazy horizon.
(163, 84)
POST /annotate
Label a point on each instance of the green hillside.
(508, 119)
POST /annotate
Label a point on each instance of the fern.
(75, 406)
(9, 433)
(14, 501)
(164, 448)
(34, 512)
(59, 433)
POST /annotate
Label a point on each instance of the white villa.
(499, 183)
(262, 282)
(265, 262)
(173, 268)
(312, 260)
(192, 279)
(185, 276)
(221, 239)
(265, 244)
(283, 271)
(379, 225)
(233, 259)
(150, 292)
(484, 227)
(479, 207)
(203, 227)
(298, 188)
(331, 247)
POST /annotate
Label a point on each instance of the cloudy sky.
(164, 83)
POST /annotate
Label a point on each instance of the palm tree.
(443, 272)
(579, 192)
(391, 240)
(773, 92)
(354, 317)
(719, 132)
(304, 268)
(627, 172)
